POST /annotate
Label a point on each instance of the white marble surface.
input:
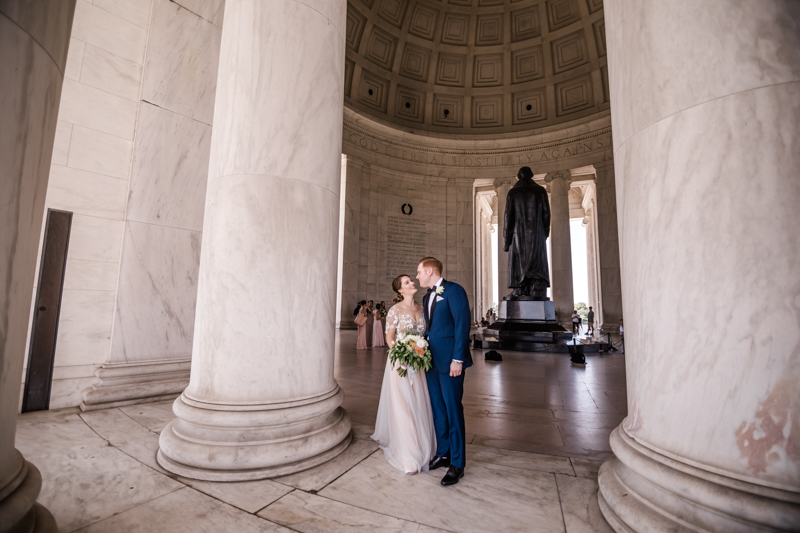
(185, 511)
(135, 11)
(99, 153)
(95, 239)
(99, 27)
(579, 504)
(155, 302)
(87, 483)
(72, 449)
(517, 497)
(315, 479)
(170, 169)
(153, 416)
(684, 49)
(309, 513)
(84, 327)
(97, 109)
(110, 72)
(250, 496)
(86, 193)
(87, 275)
(182, 60)
(34, 42)
(211, 10)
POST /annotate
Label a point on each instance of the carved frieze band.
(594, 142)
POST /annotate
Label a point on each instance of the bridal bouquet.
(411, 351)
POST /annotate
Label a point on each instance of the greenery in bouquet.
(410, 351)
(383, 312)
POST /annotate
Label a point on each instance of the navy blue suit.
(448, 336)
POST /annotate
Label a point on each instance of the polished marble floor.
(538, 430)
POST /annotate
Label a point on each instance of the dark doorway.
(47, 307)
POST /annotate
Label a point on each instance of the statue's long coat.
(527, 226)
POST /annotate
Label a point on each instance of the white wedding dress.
(404, 426)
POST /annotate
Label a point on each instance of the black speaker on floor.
(492, 355)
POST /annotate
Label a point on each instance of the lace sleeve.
(392, 318)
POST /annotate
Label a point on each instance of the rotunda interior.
(196, 194)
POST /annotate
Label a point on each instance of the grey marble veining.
(90, 482)
(318, 477)
(156, 296)
(579, 505)
(115, 426)
(517, 497)
(170, 169)
(514, 459)
(309, 513)
(185, 511)
(250, 496)
(44, 432)
(151, 416)
(182, 59)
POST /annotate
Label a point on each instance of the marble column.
(262, 400)
(349, 233)
(502, 186)
(608, 248)
(707, 147)
(589, 205)
(34, 38)
(560, 246)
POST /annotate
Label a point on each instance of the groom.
(447, 318)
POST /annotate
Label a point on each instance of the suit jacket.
(448, 326)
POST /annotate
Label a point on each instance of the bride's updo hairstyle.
(397, 284)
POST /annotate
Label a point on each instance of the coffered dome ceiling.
(476, 66)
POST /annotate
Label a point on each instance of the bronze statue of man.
(527, 226)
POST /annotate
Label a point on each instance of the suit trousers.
(448, 415)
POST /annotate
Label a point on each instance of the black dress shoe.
(452, 476)
(438, 462)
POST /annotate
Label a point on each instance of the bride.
(404, 427)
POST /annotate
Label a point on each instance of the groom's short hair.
(432, 262)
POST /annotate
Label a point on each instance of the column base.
(215, 442)
(642, 490)
(19, 511)
(132, 383)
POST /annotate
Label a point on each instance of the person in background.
(377, 328)
(490, 318)
(370, 321)
(576, 322)
(590, 322)
(361, 304)
(361, 322)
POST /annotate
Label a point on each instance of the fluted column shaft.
(706, 150)
(262, 400)
(34, 37)
(608, 248)
(502, 186)
(561, 247)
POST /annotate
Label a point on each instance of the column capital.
(558, 174)
(500, 182)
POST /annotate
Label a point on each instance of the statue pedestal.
(528, 326)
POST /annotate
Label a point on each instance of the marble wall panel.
(61, 144)
(135, 11)
(99, 153)
(95, 239)
(157, 291)
(107, 71)
(108, 31)
(211, 10)
(74, 59)
(84, 327)
(182, 60)
(97, 109)
(170, 169)
(83, 274)
(86, 193)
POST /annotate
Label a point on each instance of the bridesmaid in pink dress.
(377, 328)
(361, 322)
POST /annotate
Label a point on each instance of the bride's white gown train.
(404, 426)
